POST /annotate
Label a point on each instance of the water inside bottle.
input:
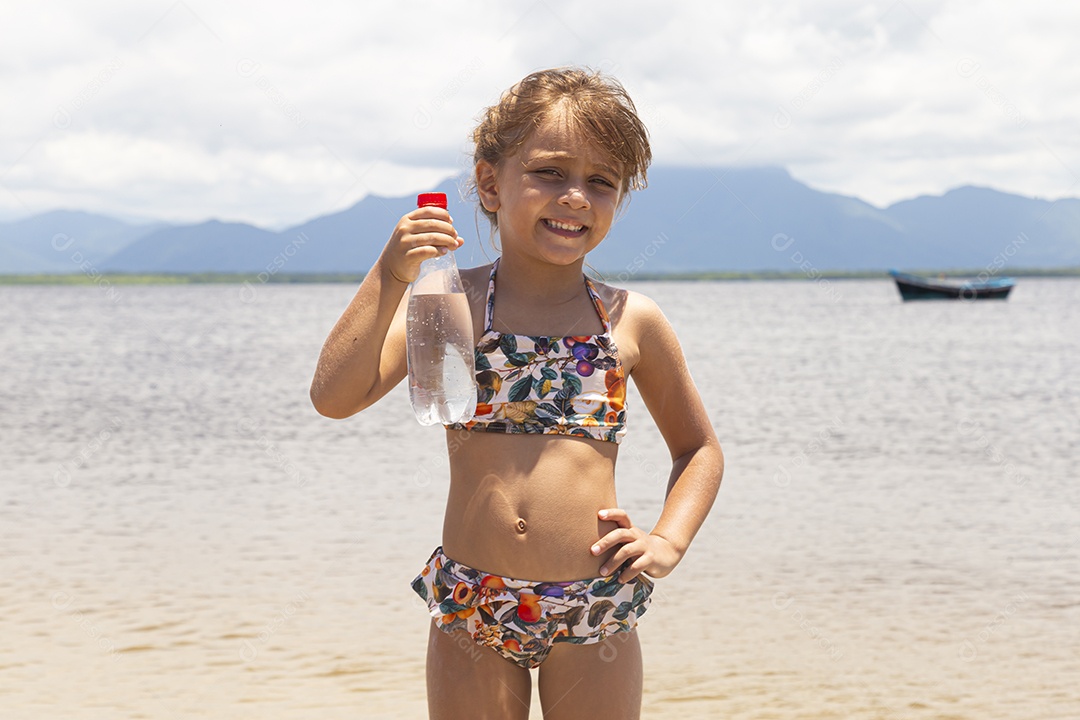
(442, 388)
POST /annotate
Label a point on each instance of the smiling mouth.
(564, 227)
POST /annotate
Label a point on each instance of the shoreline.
(307, 278)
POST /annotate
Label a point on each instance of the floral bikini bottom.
(521, 619)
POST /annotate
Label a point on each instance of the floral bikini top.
(572, 385)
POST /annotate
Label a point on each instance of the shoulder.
(629, 309)
(636, 320)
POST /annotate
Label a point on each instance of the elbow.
(708, 446)
(713, 446)
(708, 455)
(326, 406)
(322, 406)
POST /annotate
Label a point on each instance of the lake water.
(897, 534)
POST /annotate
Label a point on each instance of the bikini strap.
(489, 303)
(598, 304)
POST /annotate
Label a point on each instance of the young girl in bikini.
(538, 563)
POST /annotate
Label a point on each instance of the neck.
(540, 282)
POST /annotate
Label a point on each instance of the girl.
(532, 476)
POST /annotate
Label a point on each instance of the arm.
(364, 356)
(664, 381)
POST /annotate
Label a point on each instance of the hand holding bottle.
(438, 326)
(420, 235)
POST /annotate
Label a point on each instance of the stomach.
(525, 506)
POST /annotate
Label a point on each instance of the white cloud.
(273, 114)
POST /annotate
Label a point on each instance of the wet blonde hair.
(592, 103)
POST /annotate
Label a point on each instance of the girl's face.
(556, 197)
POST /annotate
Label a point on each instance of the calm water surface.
(897, 534)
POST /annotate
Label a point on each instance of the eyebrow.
(544, 156)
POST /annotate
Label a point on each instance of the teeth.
(565, 226)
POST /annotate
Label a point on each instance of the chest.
(539, 364)
(506, 336)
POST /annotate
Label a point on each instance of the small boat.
(914, 287)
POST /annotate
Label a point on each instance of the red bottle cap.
(432, 198)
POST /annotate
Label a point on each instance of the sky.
(274, 113)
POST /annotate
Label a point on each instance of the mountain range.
(688, 219)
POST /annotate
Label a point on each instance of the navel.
(521, 526)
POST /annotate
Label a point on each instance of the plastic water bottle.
(439, 335)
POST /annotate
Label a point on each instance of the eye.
(550, 172)
(604, 181)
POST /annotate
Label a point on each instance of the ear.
(486, 186)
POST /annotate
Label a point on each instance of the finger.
(617, 536)
(430, 211)
(612, 563)
(617, 515)
(628, 546)
(627, 552)
(435, 239)
(430, 225)
(631, 571)
(425, 252)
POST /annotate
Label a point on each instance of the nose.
(575, 197)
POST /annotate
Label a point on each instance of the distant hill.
(345, 241)
(980, 223)
(689, 219)
(209, 246)
(59, 241)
